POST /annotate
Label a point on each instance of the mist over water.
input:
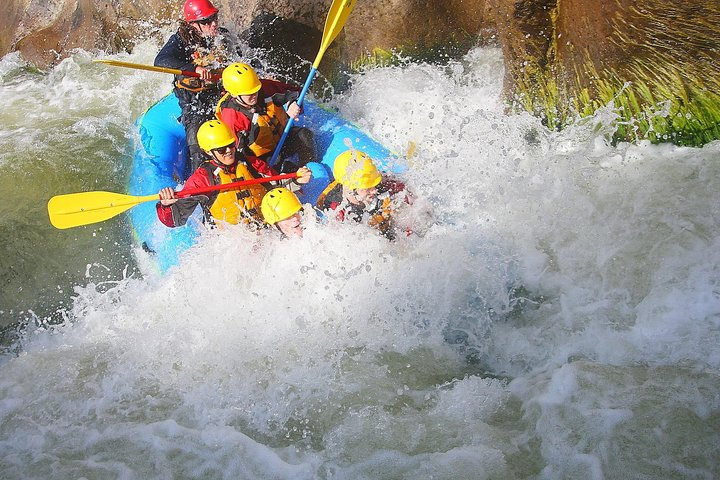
(560, 319)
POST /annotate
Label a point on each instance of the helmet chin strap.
(246, 105)
(218, 163)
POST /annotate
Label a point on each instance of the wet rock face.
(567, 58)
(46, 30)
(562, 58)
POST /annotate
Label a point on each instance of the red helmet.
(195, 10)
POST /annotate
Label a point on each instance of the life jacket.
(331, 197)
(237, 205)
(214, 57)
(193, 84)
(380, 214)
(269, 123)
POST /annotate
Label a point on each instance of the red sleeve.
(394, 187)
(280, 93)
(235, 120)
(170, 215)
(261, 166)
(340, 215)
(200, 178)
(164, 214)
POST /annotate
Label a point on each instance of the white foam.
(587, 273)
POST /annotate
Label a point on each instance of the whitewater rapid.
(560, 319)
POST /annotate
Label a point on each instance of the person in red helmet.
(199, 45)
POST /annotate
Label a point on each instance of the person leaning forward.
(253, 108)
(281, 207)
(360, 193)
(199, 45)
(224, 164)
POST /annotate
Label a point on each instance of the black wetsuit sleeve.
(174, 55)
(287, 97)
(184, 207)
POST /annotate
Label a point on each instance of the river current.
(559, 319)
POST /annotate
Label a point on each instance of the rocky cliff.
(46, 30)
(657, 62)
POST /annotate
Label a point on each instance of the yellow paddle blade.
(337, 16)
(138, 66)
(75, 209)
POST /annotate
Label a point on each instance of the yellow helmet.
(355, 169)
(214, 134)
(240, 79)
(279, 204)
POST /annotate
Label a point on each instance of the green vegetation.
(664, 86)
(662, 81)
(377, 58)
(665, 106)
(670, 106)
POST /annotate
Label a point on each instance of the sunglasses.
(225, 150)
(207, 21)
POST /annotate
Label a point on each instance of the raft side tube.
(161, 161)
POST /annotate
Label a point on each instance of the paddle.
(153, 68)
(337, 16)
(75, 209)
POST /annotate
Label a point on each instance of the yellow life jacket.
(270, 123)
(333, 190)
(238, 205)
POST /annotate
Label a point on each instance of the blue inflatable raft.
(161, 161)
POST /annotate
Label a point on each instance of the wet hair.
(188, 34)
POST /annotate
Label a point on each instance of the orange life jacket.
(271, 123)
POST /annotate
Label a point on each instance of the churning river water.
(559, 319)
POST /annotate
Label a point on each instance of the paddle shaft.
(290, 121)
(190, 192)
(226, 186)
(337, 15)
(152, 68)
(75, 209)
